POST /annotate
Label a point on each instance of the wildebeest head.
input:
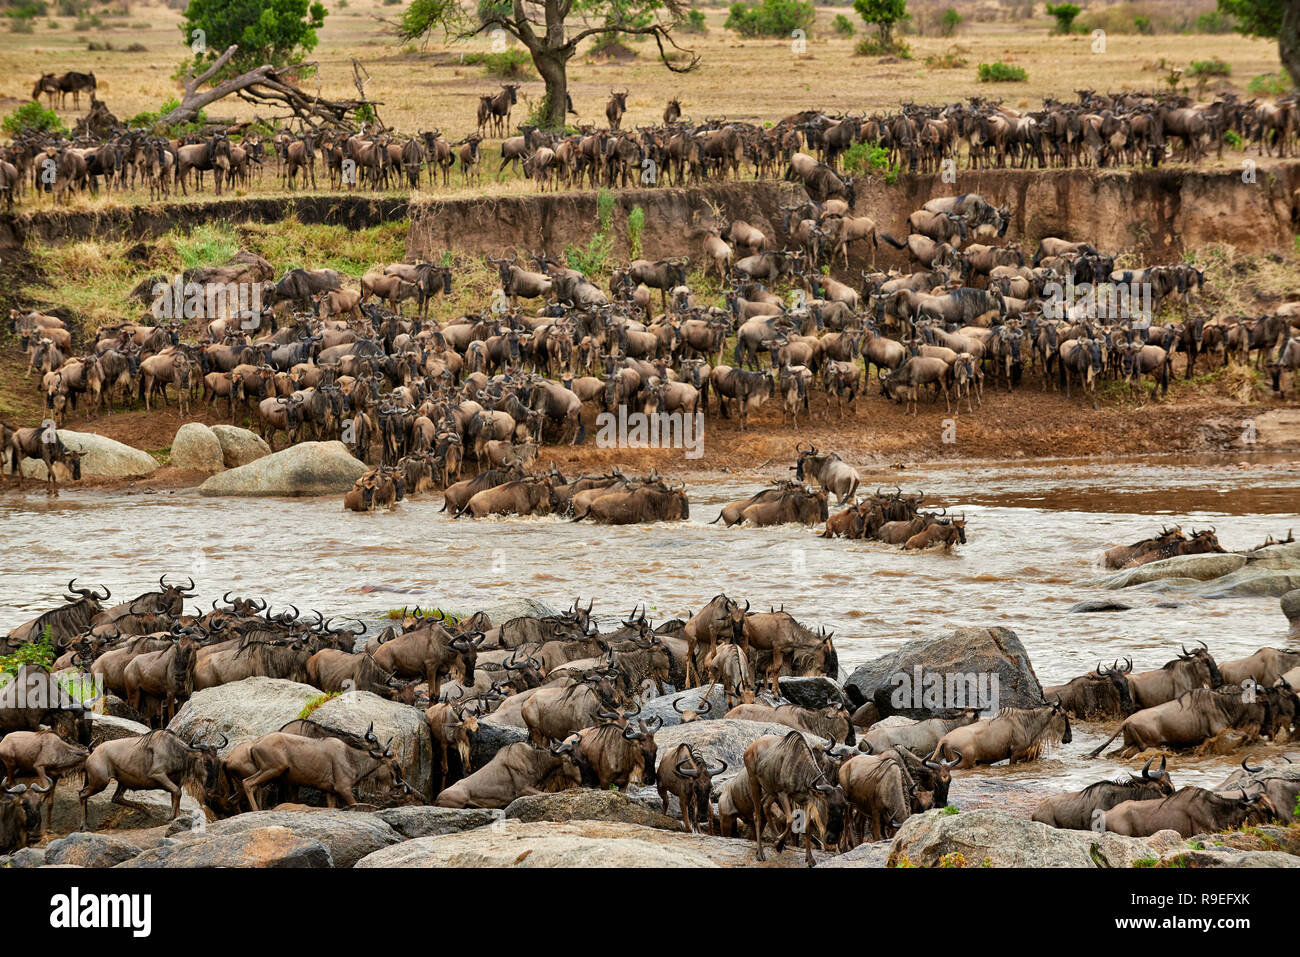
(1118, 677)
(644, 735)
(466, 646)
(1204, 663)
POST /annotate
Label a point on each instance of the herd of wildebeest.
(579, 692)
(310, 356)
(1099, 130)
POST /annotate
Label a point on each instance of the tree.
(883, 14)
(1065, 14)
(1271, 19)
(950, 21)
(543, 27)
(274, 32)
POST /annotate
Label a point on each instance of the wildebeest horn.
(370, 733)
(1247, 768)
(956, 760)
(687, 773)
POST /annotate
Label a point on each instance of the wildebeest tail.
(893, 242)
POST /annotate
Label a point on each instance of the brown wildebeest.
(1189, 811)
(1191, 669)
(1083, 810)
(786, 769)
(517, 770)
(1198, 715)
(1103, 693)
(683, 771)
(615, 108)
(43, 754)
(1014, 735)
(45, 444)
(159, 759)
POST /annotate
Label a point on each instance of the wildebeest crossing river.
(1036, 530)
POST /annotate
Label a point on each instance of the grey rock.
(424, 821)
(349, 836)
(258, 847)
(239, 446)
(196, 447)
(308, 468)
(90, 850)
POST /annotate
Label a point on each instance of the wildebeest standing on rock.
(1014, 735)
(159, 759)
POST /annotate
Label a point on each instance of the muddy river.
(1036, 530)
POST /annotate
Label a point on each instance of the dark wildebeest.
(1189, 811)
(1086, 810)
(159, 759)
(42, 754)
(1200, 714)
(1103, 693)
(683, 771)
(787, 770)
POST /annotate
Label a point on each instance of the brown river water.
(1036, 530)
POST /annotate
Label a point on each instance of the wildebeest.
(1084, 810)
(65, 622)
(684, 772)
(1200, 714)
(46, 756)
(1189, 811)
(517, 770)
(1014, 735)
(828, 470)
(1191, 669)
(159, 759)
(1103, 693)
(788, 771)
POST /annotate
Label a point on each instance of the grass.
(418, 88)
(313, 703)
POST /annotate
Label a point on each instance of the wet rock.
(1291, 608)
(117, 708)
(1200, 567)
(398, 725)
(588, 804)
(308, 468)
(1003, 840)
(891, 681)
(349, 836)
(258, 847)
(90, 850)
(1276, 556)
(239, 446)
(422, 821)
(241, 710)
(99, 456)
(1100, 604)
(815, 691)
(196, 447)
(576, 844)
(1252, 580)
(491, 738)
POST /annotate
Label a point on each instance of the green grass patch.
(1000, 72)
(312, 704)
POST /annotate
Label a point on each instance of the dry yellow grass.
(744, 79)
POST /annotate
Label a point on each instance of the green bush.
(1000, 72)
(870, 159)
(39, 652)
(770, 18)
(696, 22)
(946, 61)
(152, 120)
(842, 26)
(31, 117)
(21, 26)
(949, 22)
(27, 10)
(1211, 67)
(510, 64)
(872, 46)
(590, 259)
(635, 229)
(1064, 14)
(1270, 84)
(1215, 21)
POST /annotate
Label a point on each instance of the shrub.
(509, 64)
(1211, 67)
(949, 22)
(1064, 14)
(27, 10)
(946, 61)
(1215, 21)
(21, 26)
(31, 117)
(1270, 84)
(151, 121)
(842, 26)
(590, 259)
(39, 653)
(695, 22)
(871, 46)
(870, 159)
(770, 18)
(1000, 72)
(635, 227)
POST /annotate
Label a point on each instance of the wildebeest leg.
(756, 799)
(121, 801)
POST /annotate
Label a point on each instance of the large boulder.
(576, 844)
(239, 446)
(100, 456)
(1227, 857)
(308, 468)
(1291, 608)
(1254, 579)
(422, 820)
(241, 710)
(356, 711)
(665, 706)
(968, 667)
(90, 850)
(814, 691)
(1005, 840)
(349, 836)
(195, 447)
(1199, 567)
(258, 847)
(588, 804)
